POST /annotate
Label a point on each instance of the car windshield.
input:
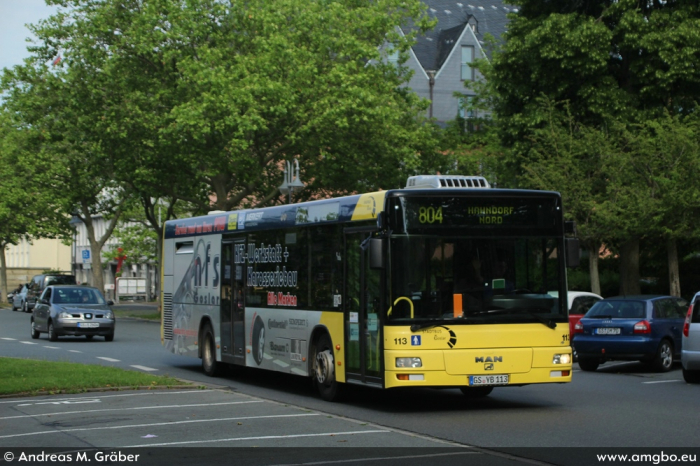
(474, 280)
(618, 309)
(60, 280)
(77, 296)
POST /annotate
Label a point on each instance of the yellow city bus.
(441, 284)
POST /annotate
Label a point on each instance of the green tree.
(619, 66)
(26, 211)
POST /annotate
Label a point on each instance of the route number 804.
(430, 215)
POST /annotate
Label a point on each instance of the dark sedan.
(627, 328)
(72, 310)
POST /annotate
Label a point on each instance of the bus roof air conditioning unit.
(447, 181)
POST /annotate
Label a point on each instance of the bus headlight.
(562, 359)
(409, 362)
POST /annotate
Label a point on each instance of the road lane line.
(130, 409)
(170, 423)
(74, 351)
(663, 381)
(28, 343)
(108, 359)
(384, 458)
(52, 347)
(149, 393)
(8, 339)
(265, 437)
(144, 368)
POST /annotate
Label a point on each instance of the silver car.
(72, 310)
(19, 300)
(690, 352)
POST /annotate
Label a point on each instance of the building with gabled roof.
(440, 58)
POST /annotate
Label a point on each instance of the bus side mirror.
(376, 253)
(573, 252)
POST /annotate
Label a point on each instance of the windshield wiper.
(547, 322)
(437, 322)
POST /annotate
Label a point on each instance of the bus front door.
(232, 305)
(362, 302)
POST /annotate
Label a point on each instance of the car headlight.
(562, 359)
(108, 315)
(409, 362)
(65, 315)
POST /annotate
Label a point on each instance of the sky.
(14, 15)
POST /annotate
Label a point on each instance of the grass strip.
(32, 377)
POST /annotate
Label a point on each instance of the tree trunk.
(593, 254)
(3, 272)
(674, 281)
(629, 268)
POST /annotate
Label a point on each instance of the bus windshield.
(474, 280)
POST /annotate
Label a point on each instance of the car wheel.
(209, 364)
(588, 365)
(691, 376)
(476, 392)
(52, 333)
(109, 337)
(35, 332)
(324, 371)
(663, 361)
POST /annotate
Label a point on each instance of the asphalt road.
(620, 405)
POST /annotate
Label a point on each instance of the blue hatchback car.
(628, 328)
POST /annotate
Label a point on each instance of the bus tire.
(258, 342)
(209, 364)
(324, 370)
(476, 392)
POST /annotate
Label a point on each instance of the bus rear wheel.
(209, 364)
(324, 370)
(476, 392)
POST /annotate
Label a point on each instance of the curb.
(105, 389)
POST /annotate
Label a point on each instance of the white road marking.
(663, 381)
(28, 343)
(398, 457)
(74, 351)
(52, 347)
(121, 395)
(64, 402)
(144, 368)
(169, 423)
(8, 339)
(266, 437)
(108, 359)
(131, 409)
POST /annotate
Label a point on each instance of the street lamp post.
(291, 183)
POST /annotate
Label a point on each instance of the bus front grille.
(168, 316)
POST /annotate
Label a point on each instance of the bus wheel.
(209, 364)
(324, 371)
(476, 392)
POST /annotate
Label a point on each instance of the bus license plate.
(607, 331)
(475, 380)
(88, 324)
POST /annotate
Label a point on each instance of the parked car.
(40, 282)
(627, 328)
(19, 299)
(72, 310)
(690, 353)
(579, 302)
